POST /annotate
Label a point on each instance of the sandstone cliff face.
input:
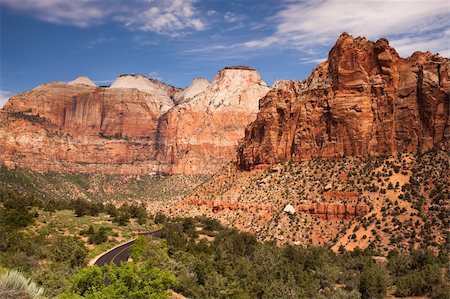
(78, 127)
(164, 92)
(197, 86)
(364, 100)
(201, 135)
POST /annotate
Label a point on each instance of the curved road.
(122, 252)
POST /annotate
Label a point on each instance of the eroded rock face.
(201, 135)
(197, 86)
(82, 80)
(77, 127)
(364, 100)
(164, 92)
(333, 211)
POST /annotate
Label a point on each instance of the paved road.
(122, 252)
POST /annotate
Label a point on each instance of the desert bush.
(14, 285)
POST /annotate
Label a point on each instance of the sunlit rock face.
(201, 135)
(364, 100)
(128, 128)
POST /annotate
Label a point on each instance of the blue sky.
(178, 40)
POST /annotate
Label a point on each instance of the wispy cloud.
(312, 26)
(155, 75)
(317, 23)
(232, 17)
(98, 41)
(165, 17)
(312, 60)
(169, 17)
(4, 97)
(80, 13)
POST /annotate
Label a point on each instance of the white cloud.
(80, 13)
(4, 97)
(312, 60)
(318, 23)
(166, 17)
(231, 17)
(169, 17)
(155, 75)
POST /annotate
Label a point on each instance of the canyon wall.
(363, 100)
(125, 129)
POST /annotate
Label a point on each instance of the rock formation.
(164, 92)
(332, 211)
(78, 127)
(364, 100)
(201, 135)
(197, 86)
(82, 80)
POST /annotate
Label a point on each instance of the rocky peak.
(140, 82)
(364, 100)
(202, 134)
(82, 80)
(197, 86)
(235, 87)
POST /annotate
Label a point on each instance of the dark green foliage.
(373, 282)
(99, 237)
(130, 280)
(16, 211)
(54, 277)
(235, 265)
(417, 274)
(69, 250)
(122, 218)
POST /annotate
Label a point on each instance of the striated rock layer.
(66, 128)
(364, 100)
(201, 135)
(78, 127)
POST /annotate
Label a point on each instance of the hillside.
(397, 202)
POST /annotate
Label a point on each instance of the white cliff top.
(233, 87)
(82, 80)
(197, 86)
(144, 84)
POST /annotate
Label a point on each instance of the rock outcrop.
(78, 127)
(197, 86)
(164, 92)
(364, 100)
(82, 80)
(333, 211)
(201, 135)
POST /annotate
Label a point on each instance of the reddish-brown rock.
(331, 211)
(78, 127)
(67, 128)
(200, 136)
(364, 100)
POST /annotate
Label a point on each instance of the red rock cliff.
(364, 100)
(133, 127)
(200, 136)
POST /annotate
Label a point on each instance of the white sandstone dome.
(197, 86)
(238, 88)
(82, 80)
(144, 84)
